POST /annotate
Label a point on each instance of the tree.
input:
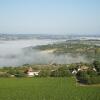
(20, 74)
(92, 73)
(12, 71)
(97, 66)
(61, 72)
(44, 73)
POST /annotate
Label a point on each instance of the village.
(82, 71)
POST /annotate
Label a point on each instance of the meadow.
(46, 89)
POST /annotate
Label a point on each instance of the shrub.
(20, 74)
(61, 72)
(12, 72)
(88, 77)
(44, 73)
(4, 75)
(82, 76)
(92, 73)
(93, 80)
(97, 66)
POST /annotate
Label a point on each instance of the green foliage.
(61, 72)
(88, 77)
(4, 75)
(82, 76)
(84, 47)
(97, 66)
(92, 73)
(12, 71)
(93, 80)
(44, 73)
(16, 72)
(20, 74)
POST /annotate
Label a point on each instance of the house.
(30, 72)
(94, 69)
(83, 68)
(74, 71)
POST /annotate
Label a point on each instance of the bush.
(97, 66)
(82, 76)
(93, 80)
(12, 72)
(88, 77)
(20, 74)
(4, 75)
(61, 72)
(92, 73)
(44, 73)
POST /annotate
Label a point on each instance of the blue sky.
(50, 16)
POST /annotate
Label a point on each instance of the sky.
(50, 16)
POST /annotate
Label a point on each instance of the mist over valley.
(16, 52)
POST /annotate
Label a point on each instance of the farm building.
(30, 72)
(83, 68)
(74, 71)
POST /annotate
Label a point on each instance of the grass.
(46, 89)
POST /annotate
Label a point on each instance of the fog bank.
(16, 53)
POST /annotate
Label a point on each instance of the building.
(30, 72)
(82, 68)
(74, 71)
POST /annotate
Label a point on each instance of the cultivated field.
(46, 89)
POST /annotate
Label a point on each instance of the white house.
(32, 73)
(74, 72)
(94, 69)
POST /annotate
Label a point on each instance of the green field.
(46, 89)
